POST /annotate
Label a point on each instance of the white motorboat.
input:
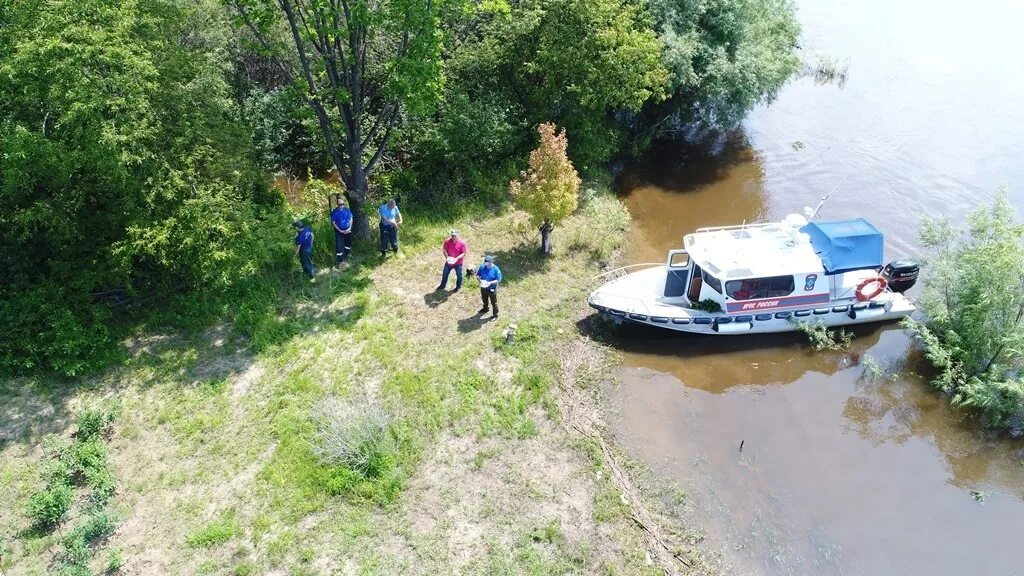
(760, 278)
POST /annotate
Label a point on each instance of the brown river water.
(839, 473)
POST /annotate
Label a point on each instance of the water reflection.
(840, 474)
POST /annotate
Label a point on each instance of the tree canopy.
(973, 301)
(549, 189)
(124, 167)
(138, 138)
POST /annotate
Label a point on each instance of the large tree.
(362, 64)
(726, 56)
(123, 170)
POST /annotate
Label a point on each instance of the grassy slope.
(496, 467)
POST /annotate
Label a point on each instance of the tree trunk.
(355, 190)
(545, 237)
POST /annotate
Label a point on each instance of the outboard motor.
(901, 275)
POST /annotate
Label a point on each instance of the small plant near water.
(822, 338)
(828, 70)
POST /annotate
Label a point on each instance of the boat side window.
(713, 282)
(754, 288)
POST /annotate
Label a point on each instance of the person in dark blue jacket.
(341, 221)
(489, 275)
(304, 248)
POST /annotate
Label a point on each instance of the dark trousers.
(447, 271)
(489, 297)
(388, 236)
(306, 258)
(342, 245)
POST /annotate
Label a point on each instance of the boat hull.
(631, 299)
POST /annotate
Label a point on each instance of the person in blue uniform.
(489, 275)
(341, 221)
(390, 220)
(304, 247)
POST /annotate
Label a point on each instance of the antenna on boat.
(811, 215)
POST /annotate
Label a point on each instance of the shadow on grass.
(435, 298)
(30, 410)
(520, 262)
(474, 322)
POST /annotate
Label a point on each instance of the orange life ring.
(880, 285)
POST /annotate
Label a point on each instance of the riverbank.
(496, 462)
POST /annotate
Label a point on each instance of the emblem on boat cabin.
(809, 282)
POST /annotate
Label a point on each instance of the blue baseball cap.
(488, 258)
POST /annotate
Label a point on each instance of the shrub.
(92, 422)
(356, 435)
(97, 526)
(973, 305)
(114, 562)
(47, 507)
(88, 458)
(549, 190)
(824, 339)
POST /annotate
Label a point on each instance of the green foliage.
(126, 173)
(571, 61)
(93, 422)
(115, 561)
(707, 305)
(822, 338)
(47, 507)
(725, 56)
(973, 305)
(548, 190)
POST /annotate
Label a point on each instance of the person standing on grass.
(390, 220)
(454, 250)
(304, 248)
(341, 220)
(489, 275)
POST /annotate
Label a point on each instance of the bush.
(97, 526)
(92, 422)
(47, 507)
(356, 435)
(973, 305)
(824, 339)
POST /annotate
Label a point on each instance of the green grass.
(208, 443)
(220, 530)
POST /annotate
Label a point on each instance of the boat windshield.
(754, 288)
(713, 282)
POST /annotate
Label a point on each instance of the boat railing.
(622, 271)
(740, 227)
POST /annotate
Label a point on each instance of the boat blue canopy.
(846, 245)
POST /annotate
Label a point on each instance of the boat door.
(678, 273)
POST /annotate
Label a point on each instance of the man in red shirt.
(454, 250)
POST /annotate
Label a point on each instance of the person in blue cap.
(341, 221)
(390, 220)
(304, 248)
(489, 275)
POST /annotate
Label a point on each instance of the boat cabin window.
(753, 288)
(713, 282)
(679, 260)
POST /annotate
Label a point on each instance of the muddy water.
(839, 473)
